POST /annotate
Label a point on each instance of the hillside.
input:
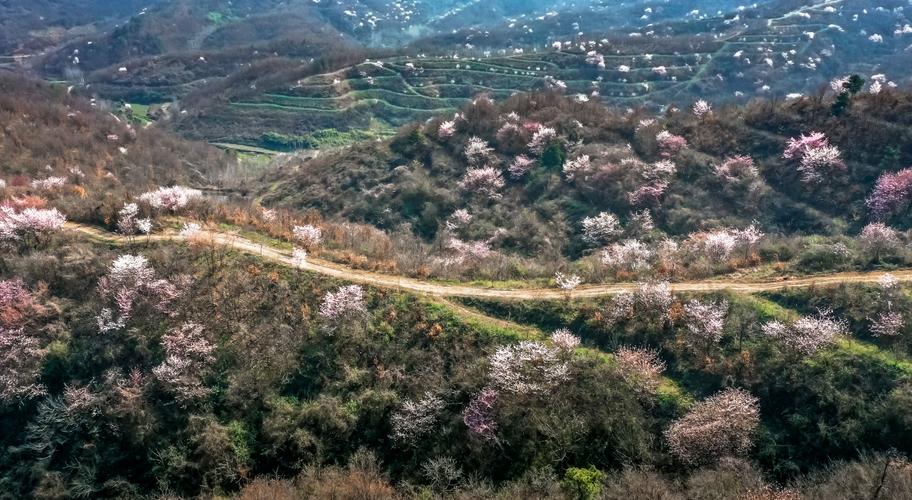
(531, 182)
(772, 51)
(456, 249)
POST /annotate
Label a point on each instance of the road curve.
(447, 290)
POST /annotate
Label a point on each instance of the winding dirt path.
(466, 291)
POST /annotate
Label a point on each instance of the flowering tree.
(527, 368)
(653, 299)
(520, 166)
(629, 255)
(21, 362)
(486, 181)
(720, 426)
(345, 303)
(702, 109)
(817, 157)
(578, 167)
(670, 144)
(641, 367)
(888, 323)
(171, 199)
(622, 308)
(447, 129)
(477, 151)
(30, 222)
(737, 169)
(49, 184)
(879, 239)
(541, 139)
(565, 340)
(891, 194)
(601, 229)
(129, 223)
(299, 257)
(308, 235)
(480, 415)
(188, 357)
(131, 282)
(472, 251)
(648, 194)
(808, 334)
(416, 418)
(705, 322)
(568, 283)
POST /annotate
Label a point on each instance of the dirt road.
(454, 290)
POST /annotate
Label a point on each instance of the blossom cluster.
(131, 281)
(527, 368)
(129, 222)
(720, 426)
(188, 357)
(486, 181)
(808, 334)
(705, 322)
(641, 367)
(416, 418)
(479, 415)
(170, 198)
(29, 221)
(817, 157)
(346, 302)
(308, 235)
(891, 194)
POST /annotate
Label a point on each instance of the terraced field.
(796, 51)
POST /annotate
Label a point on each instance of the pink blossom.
(565, 340)
(188, 357)
(653, 298)
(891, 194)
(577, 167)
(736, 168)
(629, 255)
(640, 367)
(887, 324)
(541, 139)
(702, 108)
(670, 144)
(29, 221)
(878, 238)
(601, 228)
(648, 194)
(308, 235)
(446, 129)
(469, 251)
(705, 322)
(798, 147)
(21, 362)
(171, 198)
(816, 156)
(477, 150)
(527, 368)
(479, 415)
(49, 184)
(486, 181)
(128, 223)
(347, 301)
(808, 334)
(720, 426)
(520, 166)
